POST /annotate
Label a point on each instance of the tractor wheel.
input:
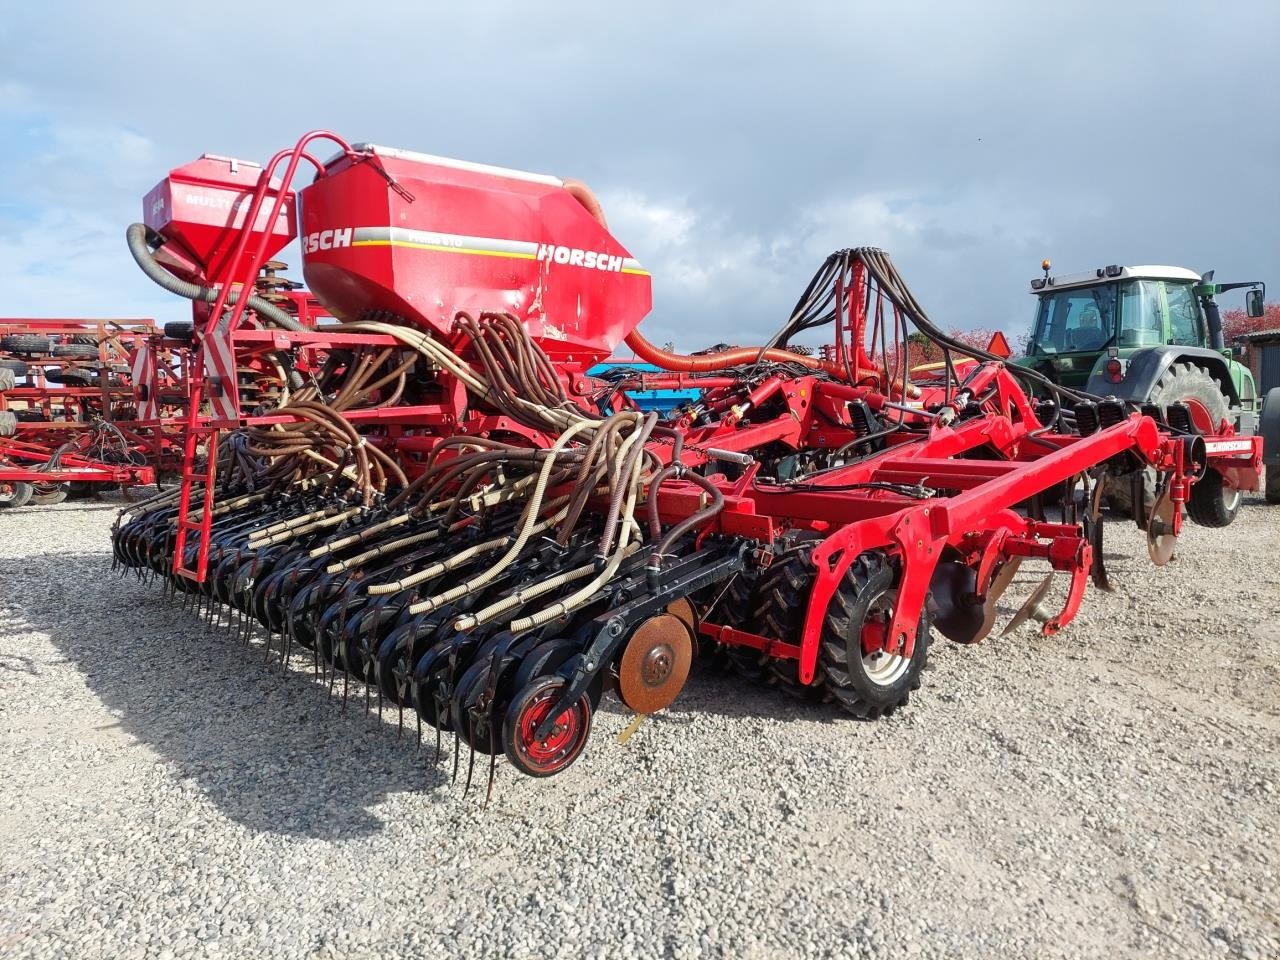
(1272, 485)
(14, 493)
(1208, 405)
(47, 494)
(1212, 503)
(26, 343)
(869, 683)
(782, 602)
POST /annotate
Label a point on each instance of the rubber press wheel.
(562, 746)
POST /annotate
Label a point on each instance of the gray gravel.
(1112, 791)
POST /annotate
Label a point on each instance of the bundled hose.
(140, 239)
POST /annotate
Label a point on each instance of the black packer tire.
(866, 685)
(1212, 503)
(782, 601)
(180, 330)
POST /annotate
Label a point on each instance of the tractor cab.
(1090, 326)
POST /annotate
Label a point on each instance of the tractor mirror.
(1253, 303)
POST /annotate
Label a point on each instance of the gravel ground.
(1112, 791)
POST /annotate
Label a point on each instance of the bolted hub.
(657, 665)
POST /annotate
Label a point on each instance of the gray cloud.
(735, 144)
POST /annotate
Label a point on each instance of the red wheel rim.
(561, 746)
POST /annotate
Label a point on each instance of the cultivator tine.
(1032, 607)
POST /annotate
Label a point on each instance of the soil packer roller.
(450, 514)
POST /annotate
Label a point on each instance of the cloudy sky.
(734, 144)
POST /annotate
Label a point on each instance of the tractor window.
(1075, 320)
(1140, 324)
(1184, 315)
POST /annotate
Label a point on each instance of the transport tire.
(8, 380)
(18, 367)
(1204, 397)
(8, 423)
(14, 493)
(1212, 503)
(180, 330)
(868, 685)
(26, 343)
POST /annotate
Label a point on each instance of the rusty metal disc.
(683, 609)
(999, 584)
(655, 663)
(1160, 536)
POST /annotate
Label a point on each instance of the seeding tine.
(471, 766)
(288, 648)
(454, 778)
(493, 768)
(346, 685)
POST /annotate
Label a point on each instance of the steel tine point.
(454, 778)
(471, 766)
(493, 768)
(346, 684)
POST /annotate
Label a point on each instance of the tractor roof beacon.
(1150, 335)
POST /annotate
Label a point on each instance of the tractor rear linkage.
(447, 508)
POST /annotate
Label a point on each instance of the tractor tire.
(1271, 485)
(47, 494)
(1181, 383)
(7, 380)
(180, 330)
(1212, 503)
(782, 600)
(17, 367)
(14, 494)
(25, 343)
(8, 423)
(75, 349)
(868, 685)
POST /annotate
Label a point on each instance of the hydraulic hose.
(651, 353)
(136, 236)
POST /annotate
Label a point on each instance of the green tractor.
(1151, 335)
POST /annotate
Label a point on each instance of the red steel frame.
(972, 518)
